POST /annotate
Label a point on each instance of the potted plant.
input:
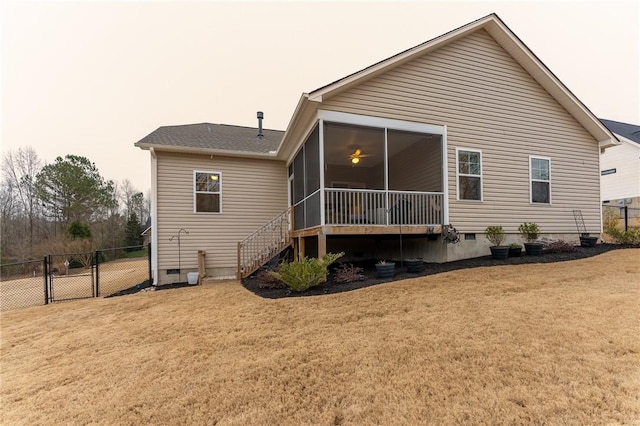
(529, 232)
(414, 265)
(495, 235)
(385, 269)
(515, 250)
(587, 240)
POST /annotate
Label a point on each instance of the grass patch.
(554, 344)
(135, 254)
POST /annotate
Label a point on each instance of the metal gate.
(71, 276)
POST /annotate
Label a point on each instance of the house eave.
(207, 151)
(608, 143)
(305, 111)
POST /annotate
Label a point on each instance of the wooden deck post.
(202, 271)
(322, 245)
(301, 247)
(239, 273)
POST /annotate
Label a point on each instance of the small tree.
(529, 231)
(495, 235)
(133, 232)
(79, 230)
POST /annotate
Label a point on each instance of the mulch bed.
(147, 286)
(369, 271)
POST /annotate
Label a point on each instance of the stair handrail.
(264, 249)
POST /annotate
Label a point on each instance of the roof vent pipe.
(260, 117)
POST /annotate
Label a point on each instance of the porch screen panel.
(345, 142)
(312, 210)
(415, 161)
(312, 162)
(298, 217)
(298, 177)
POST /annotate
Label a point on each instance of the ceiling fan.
(357, 155)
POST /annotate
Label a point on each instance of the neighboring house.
(147, 233)
(620, 166)
(469, 129)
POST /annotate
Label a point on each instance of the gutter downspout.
(154, 216)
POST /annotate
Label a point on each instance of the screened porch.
(350, 175)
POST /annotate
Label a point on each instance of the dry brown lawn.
(528, 344)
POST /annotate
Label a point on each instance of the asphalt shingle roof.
(626, 130)
(214, 136)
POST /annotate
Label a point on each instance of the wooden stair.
(264, 244)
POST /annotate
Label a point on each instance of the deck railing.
(379, 207)
(265, 243)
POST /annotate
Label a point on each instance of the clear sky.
(93, 78)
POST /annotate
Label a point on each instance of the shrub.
(495, 235)
(632, 236)
(267, 280)
(611, 220)
(300, 275)
(529, 231)
(348, 273)
(560, 246)
(515, 245)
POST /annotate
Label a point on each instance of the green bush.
(303, 274)
(632, 236)
(495, 235)
(529, 231)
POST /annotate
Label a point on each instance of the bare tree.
(20, 169)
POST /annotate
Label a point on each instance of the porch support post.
(387, 207)
(321, 165)
(322, 245)
(445, 180)
(300, 247)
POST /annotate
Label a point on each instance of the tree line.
(64, 207)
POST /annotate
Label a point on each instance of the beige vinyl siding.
(253, 192)
(490, 103)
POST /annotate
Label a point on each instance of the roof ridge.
(216, 124)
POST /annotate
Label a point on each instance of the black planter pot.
(385, 270)
(533, 249)
(515, 251)
(414, 266)
(499, 252)
(588, 241)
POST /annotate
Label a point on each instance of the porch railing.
(264, 244)
(379, 207)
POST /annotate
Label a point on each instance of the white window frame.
(531, 179)
(195, 191)
(458, 174)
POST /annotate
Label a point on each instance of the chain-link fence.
(23, 284)
(123, 268)
(60, 277)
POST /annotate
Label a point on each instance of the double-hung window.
(469, 174)
(540, 177)
(207, 192)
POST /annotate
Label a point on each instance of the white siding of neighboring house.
(490, 103)
(254, 191)
(625, 182)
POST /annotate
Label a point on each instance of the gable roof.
(626, 130)
(213, 138)
(310, 102)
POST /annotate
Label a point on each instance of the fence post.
(50, 278)
(45, 275)
(149, 263)
(626, 218)
(97, 254)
